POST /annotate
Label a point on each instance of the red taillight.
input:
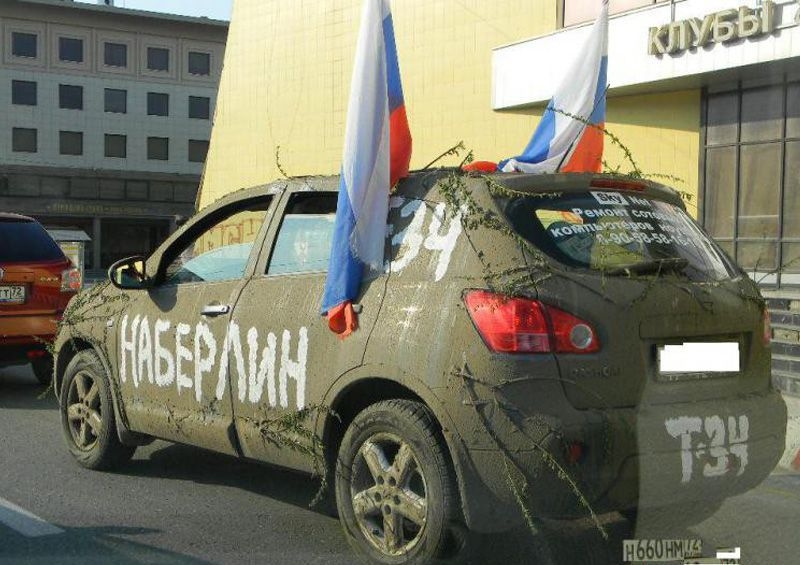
(71, 280)
(767, 335)
(520, 325)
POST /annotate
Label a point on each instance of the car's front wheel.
(395, 490)
(87, 414)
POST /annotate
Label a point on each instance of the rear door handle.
(215, 309)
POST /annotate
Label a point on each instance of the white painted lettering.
(683, 428)
(167, 377)
(715, 430)
(127, 346)
(182, 353)
(409, 239)
(295, 370)
(266, 370)
(145, 351)
(442, 243)
(203, 337)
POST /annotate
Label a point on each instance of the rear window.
(618, 234)
(24, 241)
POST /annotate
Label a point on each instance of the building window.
(158, 148)
(198, 149)
(115, 54)
(70, 97)
(70, 49)
(23, 44)
(157, 59)
(116, 145)
(751, 204)
(157, 104)
(23, 92)
(199, 107)
(23, 140)
(199, 63)
(71, 143)
(116, 101)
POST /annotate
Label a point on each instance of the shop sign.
(720, 27)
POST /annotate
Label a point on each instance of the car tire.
(43, 369)
(393, 470)
(87, 415)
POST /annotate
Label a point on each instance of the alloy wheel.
(389, 494)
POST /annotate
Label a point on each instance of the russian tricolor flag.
(377, 152)
(562, 143)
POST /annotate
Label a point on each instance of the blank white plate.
(720, 357)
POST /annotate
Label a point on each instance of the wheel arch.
(66, 353)
(365, 386)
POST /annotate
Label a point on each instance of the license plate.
(722, 357)
(12, 294)
(658, 550)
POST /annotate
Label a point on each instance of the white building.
(105, 118)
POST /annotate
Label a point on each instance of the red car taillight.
(521, 325)
(767, 335)
(71, 280)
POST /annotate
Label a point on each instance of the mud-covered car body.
(586, 415)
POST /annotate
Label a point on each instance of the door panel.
(173, 353)
(284, 356)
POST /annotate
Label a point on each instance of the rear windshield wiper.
(649, 267)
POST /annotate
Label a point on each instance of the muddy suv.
(36, 283)
(577, 338)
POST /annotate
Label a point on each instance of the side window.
(304, 240)
(222, 248)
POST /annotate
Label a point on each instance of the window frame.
(165, 255)
(153, 101)
(110, 137)
(61, 136)
(189, 63)
(63, 89)
(189, 150)
(61, 40)
(205, 115)
(262, 269)
(765, 276)
(15, 94)
(35, 140)
(106, 92)
(106, 45)
(14, 50)
(153, 139)
(154, 48)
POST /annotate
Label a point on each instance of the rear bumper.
(653, 456)
(26, 328)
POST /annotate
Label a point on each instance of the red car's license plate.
(12, 294)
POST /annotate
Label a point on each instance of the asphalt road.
(181, 505)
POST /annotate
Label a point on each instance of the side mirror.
(129, 274)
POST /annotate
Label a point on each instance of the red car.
(36, 282)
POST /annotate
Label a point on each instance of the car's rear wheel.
(43, 369)
(87, 414)
(395, 490)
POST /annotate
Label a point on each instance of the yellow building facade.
(704, 93)
(286, 82)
